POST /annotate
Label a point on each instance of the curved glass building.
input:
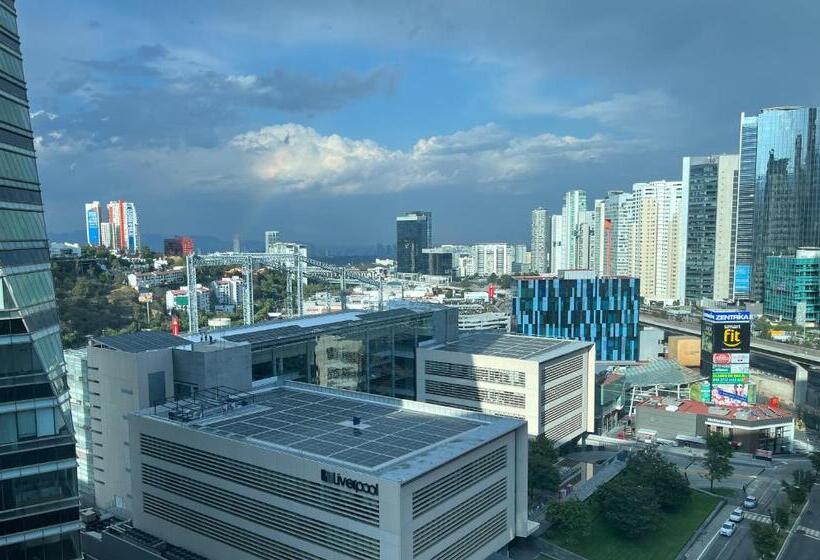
(39, 512)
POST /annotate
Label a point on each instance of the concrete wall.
(208, 365)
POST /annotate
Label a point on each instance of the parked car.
(727, 529)
(750, 502)
(736, 516)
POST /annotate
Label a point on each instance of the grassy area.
(728, 492)
(673, 533)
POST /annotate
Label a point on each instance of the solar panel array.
(319, 424)
(504, 345)
(141, 341)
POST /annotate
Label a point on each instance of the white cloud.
(42, 113)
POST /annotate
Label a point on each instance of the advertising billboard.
(724, 358)
(743, 278)
(727, 375)
(706, 337)
(730, 395)
(731, 338)
(93, 221)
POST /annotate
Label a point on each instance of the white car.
(736, 516)
(750, 502)
(727, 529)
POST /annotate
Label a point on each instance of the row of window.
(41, 488)
(18, 359)
(19, 225)
(23, 257)
(25, 425)
(45, 454)
(55, 547)
(32, 288)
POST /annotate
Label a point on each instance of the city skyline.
(541, 114)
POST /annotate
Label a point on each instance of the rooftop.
(746, 413)
(139, 341)
(516, 346)
(394, 439)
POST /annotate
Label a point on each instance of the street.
(804, 543)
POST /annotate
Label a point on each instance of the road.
(765, 485)
(804, 543)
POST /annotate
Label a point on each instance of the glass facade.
(376, 354)
(414, 232)
(793, 288)
(39, 507)
(786, 199)
(600, 310)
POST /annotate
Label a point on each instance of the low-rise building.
(147, 280)
(64, 250)
(487, 321)
(178, 299)
(549, 383)
(298, 471)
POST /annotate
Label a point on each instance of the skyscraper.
(92, 223)
(780, 179)
(711, 184)
(572, 214)
(271, 238)
(414, 232)
(124, 224)
(557, 254)
(540, 240)
(39, 510)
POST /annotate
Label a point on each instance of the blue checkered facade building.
(600, 310)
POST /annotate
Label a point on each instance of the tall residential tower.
(540, 241)
(39, 510)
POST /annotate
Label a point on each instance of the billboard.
(730, 395)
(92, 219)
(730, 338)
(727, 315)
(743, 278)
(724, 358)
(730, 375)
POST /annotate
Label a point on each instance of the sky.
(325, 120)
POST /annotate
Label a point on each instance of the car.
(736, 516)
(727, 529)
(750, 502)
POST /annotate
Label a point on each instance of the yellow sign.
(731, 338)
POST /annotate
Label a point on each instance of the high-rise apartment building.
(578, 304)
(585, 243)
(93, 215)
(271, 238)
(414, 233)
(711, 185)
(124, 224)
(778, 192)
(572, 214)
(493, 258)
(39, 510)
(658, 236)
(557, 254)
(540, 241)
(179, 246)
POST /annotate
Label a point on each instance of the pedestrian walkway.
(760, 518)
(813, 533)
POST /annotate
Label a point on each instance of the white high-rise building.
(575, 204)
(493, 258)
(659, 239)
(585, 241)
(557, 254)
(271, 238)
(540, 240)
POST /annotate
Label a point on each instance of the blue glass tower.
(39, 507)
(582, 306)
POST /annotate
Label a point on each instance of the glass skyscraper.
(39, 508)
(779, 153)
(582, 306)
(414, 232)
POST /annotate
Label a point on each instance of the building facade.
(302, 472)
(711, 185)
(414, 233)
(793, 288)
(557, 254)
(271, 238)
(124, 227)
(179, 246)
(540, 240)
(93, 215)
(780, 155)
(39, 511)
(549, 383)
(493, 258)
(581, 306)
(572, 214)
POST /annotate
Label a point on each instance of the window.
(45, 422)
(8, 428)
(26, 425)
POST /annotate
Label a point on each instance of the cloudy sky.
(325, 119)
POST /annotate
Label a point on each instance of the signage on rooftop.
(357, 486)
(726, 316)
(724, 358)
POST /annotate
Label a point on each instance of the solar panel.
(504, 345)
(320, 424)
(141, 341)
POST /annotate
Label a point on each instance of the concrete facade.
(551, 387)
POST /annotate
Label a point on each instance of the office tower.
(179, 246)
(659, 239)
(414, 233)
(540, 240)
(578, 304)
(294, 471)
(271, 238)
(493, 258)
(92, 223)
(779, 177)
(557, 254)
(711, 184)
(572, 214)
(793, 288)
(124, 223)
(39, 511)
(550, 383)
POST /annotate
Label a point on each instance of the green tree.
(782, 516)
(670, 486)
(629, 508)
(570, 520)
(717, 460)
(766, 539)
(815, 462)
(543, 471)
(798, 491)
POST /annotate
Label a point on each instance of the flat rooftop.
(395, 439)
(745, 413)
(139, 341)
(516, 346)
